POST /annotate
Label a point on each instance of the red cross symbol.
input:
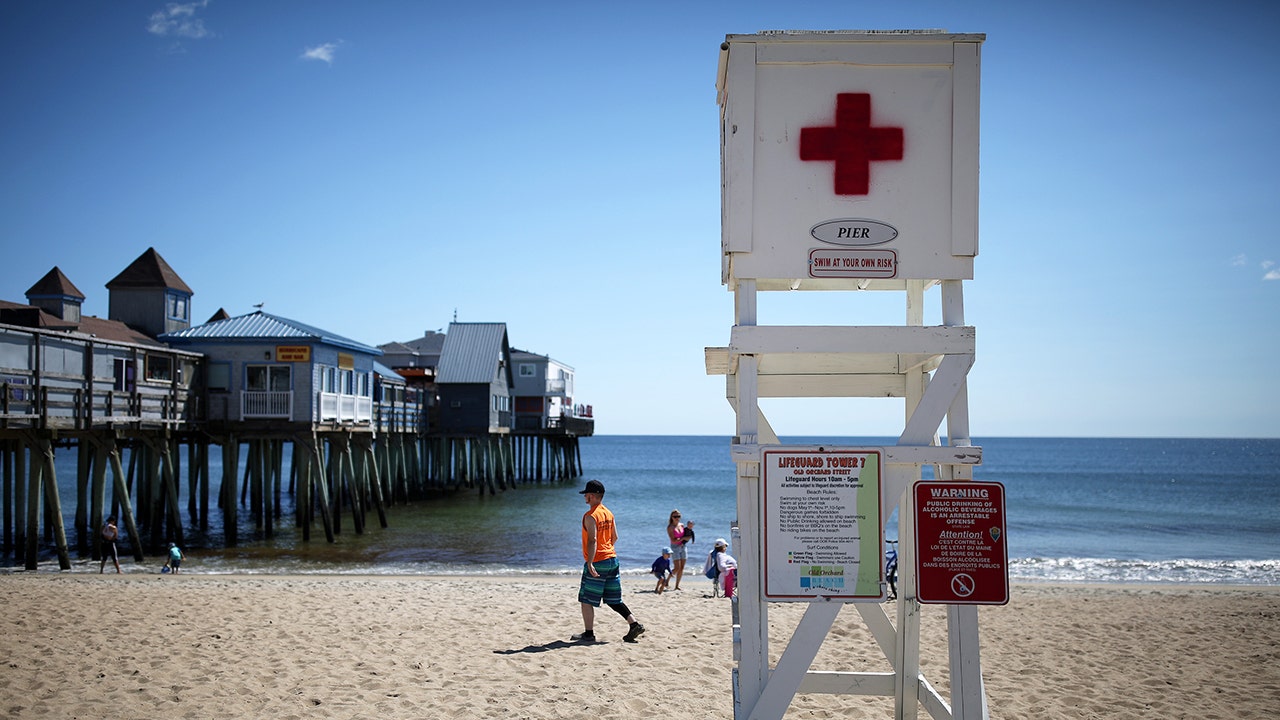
(852, 143)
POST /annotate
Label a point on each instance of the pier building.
(291, 417)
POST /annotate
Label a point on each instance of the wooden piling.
(99, 497)
(230, 472)
(120, 497)
(318, 484)
(172, 510)
(49, 476)
(6, 490)
(84, 465)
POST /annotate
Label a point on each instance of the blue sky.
(373, 168)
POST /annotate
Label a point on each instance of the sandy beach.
(215, 646)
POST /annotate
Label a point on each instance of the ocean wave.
(1035, 569)
(1115, 570)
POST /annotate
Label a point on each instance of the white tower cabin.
(849, 163)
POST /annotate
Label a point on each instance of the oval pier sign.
(855, 232)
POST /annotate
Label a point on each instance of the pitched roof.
(220, 315)
(430, 343)
(395, 347)
(114, 330)
(263, 326)
(34, 317)
(471, 352)
(149, 271)
(526, 356)
(54, 284)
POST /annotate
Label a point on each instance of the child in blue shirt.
(662, 570)
(175, 558)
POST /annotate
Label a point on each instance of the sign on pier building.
(850, 159)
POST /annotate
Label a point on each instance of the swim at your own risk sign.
(822, 529)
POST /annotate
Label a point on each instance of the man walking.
(600, 575)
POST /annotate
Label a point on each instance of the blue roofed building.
(264, 367)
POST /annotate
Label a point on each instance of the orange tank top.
(604, 534)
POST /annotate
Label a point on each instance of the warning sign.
(827, 262)
(960, 543)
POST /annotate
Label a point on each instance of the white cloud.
(179, 20)
(1239, 260)
(1272, 274)
(1268, 264)
(321, 52)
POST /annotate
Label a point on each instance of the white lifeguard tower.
(849, 164)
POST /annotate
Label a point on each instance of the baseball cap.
(666, 551)
(721, 543)
(593, 486)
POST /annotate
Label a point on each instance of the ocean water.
(1099, 510)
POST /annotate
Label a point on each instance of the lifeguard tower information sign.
(822, 531)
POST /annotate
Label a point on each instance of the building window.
(159, 368)
(124, 371)
(219, 377)
(179, 306)
(267, 378)
(529, 404)
(528, 370)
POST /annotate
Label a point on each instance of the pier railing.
(266, 404)
(337, 407)
(56, 380)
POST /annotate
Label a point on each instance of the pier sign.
(960, 543)
(822, 529)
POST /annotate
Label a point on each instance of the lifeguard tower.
(849, 164)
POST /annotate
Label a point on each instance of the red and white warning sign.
(961, 552)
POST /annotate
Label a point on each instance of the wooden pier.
(133, 415)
